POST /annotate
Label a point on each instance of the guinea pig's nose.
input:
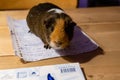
(58, 43)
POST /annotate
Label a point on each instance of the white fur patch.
(56, 10)
(53, 45)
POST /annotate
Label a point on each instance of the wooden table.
(102, 24)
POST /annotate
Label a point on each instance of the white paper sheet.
(71, 71)
(30, 47)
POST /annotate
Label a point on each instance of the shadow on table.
(84, 57)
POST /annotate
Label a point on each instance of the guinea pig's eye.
(47, 24)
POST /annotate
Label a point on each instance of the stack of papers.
(30, 48)
(70, 71)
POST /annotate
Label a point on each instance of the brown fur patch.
(59, 35)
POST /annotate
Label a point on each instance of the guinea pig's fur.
(51, 24)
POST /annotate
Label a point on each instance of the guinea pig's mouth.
(58, 45)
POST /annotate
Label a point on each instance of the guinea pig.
(51, 24)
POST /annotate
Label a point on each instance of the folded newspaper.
(71, 71)
(30, 48)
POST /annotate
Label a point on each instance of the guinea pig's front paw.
(47, 46)
(29, 31)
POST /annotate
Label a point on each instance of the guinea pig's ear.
(69, 21)
(72, 24)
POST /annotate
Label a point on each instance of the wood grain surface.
(102, 24)
(27, 4)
